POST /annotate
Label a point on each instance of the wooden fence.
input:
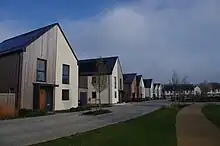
(7, 105)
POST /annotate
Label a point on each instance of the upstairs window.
(41, 70)
(115, 82)
(120, 83)
(93, 80)
(66, 70)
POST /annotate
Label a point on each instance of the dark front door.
(49, 100)
(120, 96)
(43, 98)
(83, 98)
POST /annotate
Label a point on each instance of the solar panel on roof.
(19, 42)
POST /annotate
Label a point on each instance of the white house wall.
(160, 91)
(45, 47)
(156, 91)
(197, 91)
(65, 56)
(147, 92)
(152, 90)
(104, 95)
(142, 88)
(113, 89)
(120, 74)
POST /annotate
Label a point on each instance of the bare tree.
(100, 82)
(205, 87)
(184, 80)
(175, 81)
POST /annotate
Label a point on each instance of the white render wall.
(65, 56)
(152, 90)
(142, 88)
(104, 95)
(160, 91)
(197, 91)
(113, 89)
(155, 91)
(147, 92)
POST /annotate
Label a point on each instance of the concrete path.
(28, 131)
(193, 129)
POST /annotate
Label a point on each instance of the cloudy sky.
(151, 37)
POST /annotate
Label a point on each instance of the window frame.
(93, 94)
(64, 75)
(115, 94)
(45, 70)
(64, 98)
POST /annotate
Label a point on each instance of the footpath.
(193, 129)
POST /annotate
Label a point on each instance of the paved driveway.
(28, 131)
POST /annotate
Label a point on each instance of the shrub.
(97, 112)
(31, 113)
(80, 108)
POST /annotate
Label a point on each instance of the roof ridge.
(89, 59)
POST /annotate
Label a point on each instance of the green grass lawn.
(212, 112)
(154, 129)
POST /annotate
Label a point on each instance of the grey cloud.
(155, 42)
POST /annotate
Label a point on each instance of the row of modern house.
(209, 89)
(43, 72)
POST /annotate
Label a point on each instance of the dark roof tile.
(128, 78)
(138, 78)
(18, 43)
(147, 83)
(88, 67)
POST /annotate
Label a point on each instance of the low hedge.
(30, 113)
(97, 112)
(80, 108)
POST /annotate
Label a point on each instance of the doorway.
(43, 98)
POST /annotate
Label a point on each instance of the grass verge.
(211, 112)
(154, 129)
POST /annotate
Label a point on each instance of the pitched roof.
(214, 86)
(128, 78)
(147, 83)
(138, 79)
(18, 43)
(88, 67)
(185, 87)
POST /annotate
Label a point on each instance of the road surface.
(28, 131)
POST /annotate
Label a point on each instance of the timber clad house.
(130, 86)
(40, 67)
(113, 92)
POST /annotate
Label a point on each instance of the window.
(66, 70)
(115, 82)
(93, 94)
(93, 80)
(120, 83)
(65, 94)
(115, 94)
(41, 70)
